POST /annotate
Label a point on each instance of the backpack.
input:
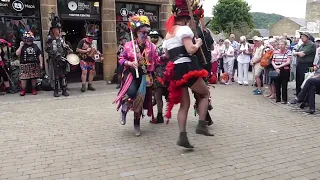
(266, 58)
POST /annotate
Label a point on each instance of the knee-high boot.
(63, 84)
(137, 117)
(56, 88)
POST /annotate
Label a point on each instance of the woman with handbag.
(281, 62)
(138, 58)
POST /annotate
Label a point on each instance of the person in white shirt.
(243, 61)
(228, 60)
(215, 59)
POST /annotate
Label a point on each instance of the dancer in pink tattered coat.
(136, 92)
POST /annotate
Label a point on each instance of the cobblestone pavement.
(81, 138)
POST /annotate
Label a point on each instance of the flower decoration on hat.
(28, 35)
(91, 29)
(198, 10)
(137, 21)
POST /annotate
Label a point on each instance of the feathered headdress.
(137, 21)
(91, 29)
(55, 21)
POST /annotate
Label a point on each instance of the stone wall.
(46, 7)
(109, 38)
(312, 10)
(284, 26)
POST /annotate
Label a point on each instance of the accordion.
(92, 54)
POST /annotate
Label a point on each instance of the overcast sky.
(288, 8)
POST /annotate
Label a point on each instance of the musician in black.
(56, 49)
(206, 47)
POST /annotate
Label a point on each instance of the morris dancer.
(183, 72)
(160, 67)
(56, 49)
(30, 62)
(136, 93)
(4, 67)
(204, 34)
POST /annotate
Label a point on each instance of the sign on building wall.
(313, 27)
(125, 10)
(79, 9)
(29, 8)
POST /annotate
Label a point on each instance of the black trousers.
(3, 73)
(281, 84)
(309, 90)
(301, 69)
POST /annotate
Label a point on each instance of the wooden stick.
(194, 29)
(135, 54)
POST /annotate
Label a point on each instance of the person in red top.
(281, 63)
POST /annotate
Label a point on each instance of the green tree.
(231, 15)
(264, 20)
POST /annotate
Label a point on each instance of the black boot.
(202, 128)
(90, 87)
(136, 124)
(9, 90)
(63, 84)
(160, 118)
(83, 88)
(208, 119)
(56, 88)
(183, 140)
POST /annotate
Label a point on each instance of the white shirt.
(244, 58)
(177, 41)
(230, 54)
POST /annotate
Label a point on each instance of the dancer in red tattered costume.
(183, 71)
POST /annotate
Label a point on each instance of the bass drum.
(73, 59)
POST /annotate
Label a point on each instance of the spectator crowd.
(274, 62)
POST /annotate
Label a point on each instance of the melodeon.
(92, 53)
(95, 54)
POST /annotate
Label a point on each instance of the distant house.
(287, 25)
(264, 32)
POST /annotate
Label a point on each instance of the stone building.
(313, 17)
(107, 17)
(287, 25)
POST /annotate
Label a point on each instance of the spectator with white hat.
(255, 62)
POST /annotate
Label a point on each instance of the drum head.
(73, 59)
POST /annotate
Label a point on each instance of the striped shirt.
(281, 58)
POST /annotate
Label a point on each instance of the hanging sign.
(79, 9)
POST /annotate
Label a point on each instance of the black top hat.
(122, 37)
(155, 33)
(55, 21)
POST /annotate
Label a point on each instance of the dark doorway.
(75, 31)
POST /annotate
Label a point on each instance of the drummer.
(56, 49)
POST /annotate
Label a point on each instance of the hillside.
(264, 20)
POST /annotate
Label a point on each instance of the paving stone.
(80, 137)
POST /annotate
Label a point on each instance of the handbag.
(307, 76)
(274, 74)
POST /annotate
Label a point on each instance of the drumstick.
(135, 54)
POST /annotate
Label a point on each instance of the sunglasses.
(154, 37)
